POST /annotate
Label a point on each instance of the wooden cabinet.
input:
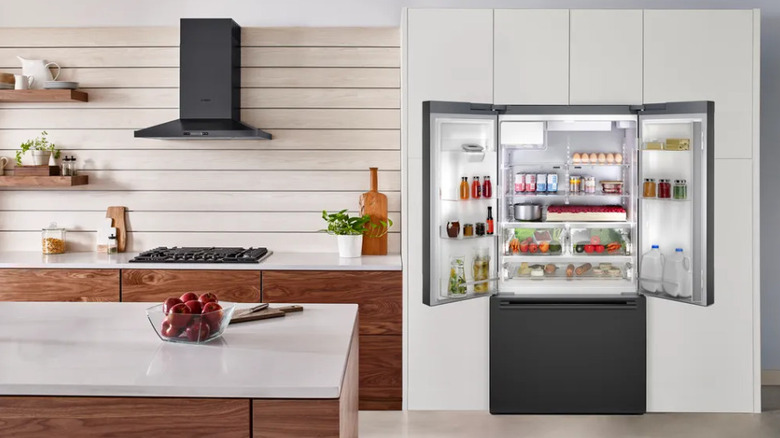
(59, 285)
(155, 285)
(379, 298)
(531, 56)
(606, 56)
(705, 55)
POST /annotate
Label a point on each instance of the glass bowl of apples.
(190, 319)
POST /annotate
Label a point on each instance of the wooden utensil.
(118, 222)
(267, 313)
(374, 204)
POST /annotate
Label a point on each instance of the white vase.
(40, 158)
(350, 246)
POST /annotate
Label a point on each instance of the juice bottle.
(476, 188)
(464, 188)
(487, 187)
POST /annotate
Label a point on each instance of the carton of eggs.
(596, 158)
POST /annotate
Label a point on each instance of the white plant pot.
(350, 246)
(40, 158)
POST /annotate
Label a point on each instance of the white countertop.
(276, 261)
(110, 349)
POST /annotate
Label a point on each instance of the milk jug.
(677, 275)
(652, 268)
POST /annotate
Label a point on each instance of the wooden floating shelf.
(43, 181)
(43, 96)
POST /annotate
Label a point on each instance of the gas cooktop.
(201, 255)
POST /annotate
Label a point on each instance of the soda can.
(552, 182)
(541, 182)
(530, 182)
(519, 182)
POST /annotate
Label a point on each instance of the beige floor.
(469, 424)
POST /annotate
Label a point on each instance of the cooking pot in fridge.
(527, 212)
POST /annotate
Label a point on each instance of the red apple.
(189, 296)
(208, 297)
(195, 306)
(179, 316)
(212, 315)
(170, 302)
(169, 331)
(198, 331)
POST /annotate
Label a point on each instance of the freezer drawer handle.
(567, 306)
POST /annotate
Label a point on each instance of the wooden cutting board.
(117, 214)
(276, 312)
(374, 204)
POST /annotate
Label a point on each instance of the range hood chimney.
(209, 85)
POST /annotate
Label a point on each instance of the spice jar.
(468, 230)
(480, 228)
(680, 189)
(590, 184)
(112, 245)
(649, 188)
(664, 188)
(53, 239)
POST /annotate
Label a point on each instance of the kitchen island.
(90, 369)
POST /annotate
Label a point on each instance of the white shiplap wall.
(329, 96)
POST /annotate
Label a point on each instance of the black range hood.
(209, 85)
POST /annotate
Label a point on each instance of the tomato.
(595, 240)
(533, 248)
(599, 248)
(589, 249)
(544, 246)
(524, 247)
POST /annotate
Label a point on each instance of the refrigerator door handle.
(508, 305)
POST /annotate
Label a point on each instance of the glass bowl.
(190, 328)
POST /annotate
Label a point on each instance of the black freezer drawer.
(567, 355)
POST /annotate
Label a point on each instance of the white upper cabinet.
(704, 55)
(532, 56)
(606, 57)
(449, 57)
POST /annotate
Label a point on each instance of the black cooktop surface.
(201, 255)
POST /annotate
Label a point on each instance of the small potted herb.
(41, 150)
(348, 231)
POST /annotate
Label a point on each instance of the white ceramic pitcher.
(38, 69)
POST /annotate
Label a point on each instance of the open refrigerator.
(597, 230)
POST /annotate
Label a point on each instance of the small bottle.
(464, 188)
(64, 166)
(489, 221)
(111, 248)
(476, 188)
(487, 187)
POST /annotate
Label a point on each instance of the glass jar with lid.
(680, 189)
(53, 239)
(649, 188)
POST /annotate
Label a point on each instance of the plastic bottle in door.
(652, 267)
(677, 270)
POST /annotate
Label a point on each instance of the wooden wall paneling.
(182, 221)
(155, 285)
(140, 241)
(148, 201)
(381, 374)
(321, 36)
(24, 416)
(319, 57)
(284, 139)
(59, 284)
(122, 57)
(321, 77)
(377, 293)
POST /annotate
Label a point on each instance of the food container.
(612, 187)
(654, 145)
(186, 326)
(468, 230)
(527, 212)
(453, 229)
(53, 239)
(481, 270)
(589, 183)
(677, 144)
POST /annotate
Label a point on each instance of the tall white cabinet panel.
(531, 56)
(606, 57)
(700, 359)
(704, 55)
(448, 56)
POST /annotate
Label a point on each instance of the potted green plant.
(41, 150)
(348, 231)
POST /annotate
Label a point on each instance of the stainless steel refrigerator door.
(676, 147)
(459, 140)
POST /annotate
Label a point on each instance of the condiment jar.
(53, 239)
(649, 188)
(664, 188)
(112, 245)
(680, 189)
(468, 230)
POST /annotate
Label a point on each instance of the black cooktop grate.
(200, 255)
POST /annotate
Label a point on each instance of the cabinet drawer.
(380, 372)
(378, 294)
(158, 284)
(59, 285)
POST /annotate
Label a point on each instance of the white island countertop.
(110, 349)
(282, 261)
